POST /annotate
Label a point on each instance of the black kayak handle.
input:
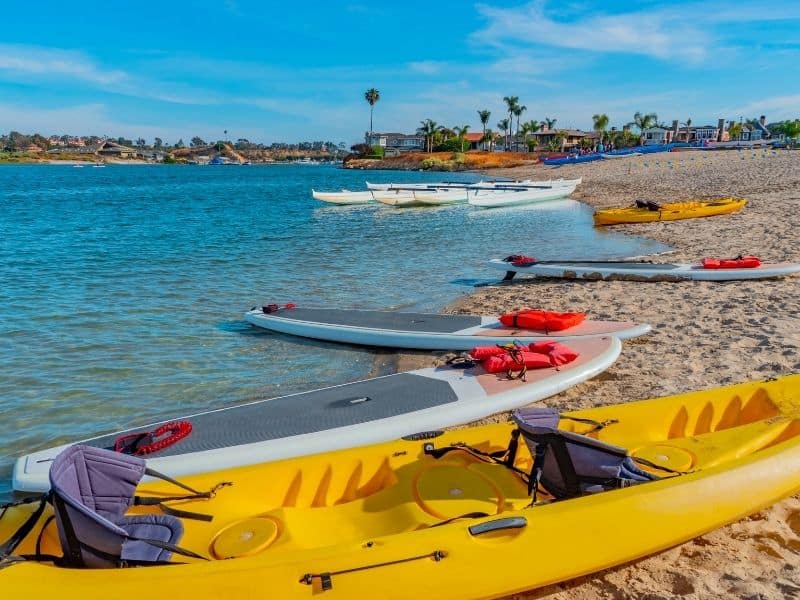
(498, 525)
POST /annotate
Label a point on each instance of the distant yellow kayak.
(668, 212)
(450, 515)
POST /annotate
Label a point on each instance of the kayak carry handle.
(498, 525)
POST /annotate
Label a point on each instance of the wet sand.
(704, 335)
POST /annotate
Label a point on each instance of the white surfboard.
(642, 271)
(343, 416)
(422, 331)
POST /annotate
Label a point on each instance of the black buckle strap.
(8, 547)
(195, 495)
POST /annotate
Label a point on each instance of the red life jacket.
(538, 355)
(542, 320)
(740, 262)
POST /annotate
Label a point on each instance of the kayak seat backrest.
(92, 489)
(568, 464)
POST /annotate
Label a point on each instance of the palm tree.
(511, 102)
(489, 136)
(484, 117)
(429, 129)
(518, 110)
(688, 124)
(528, 127)
(461, 132)
(600, 123)
(371, 96)
(504, 125)
(642, 122)
(548, 123)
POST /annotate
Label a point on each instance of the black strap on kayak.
(596, 425)
(472, 515)
(195, 495)
(326, 580)
(8, 547)
(500, 457)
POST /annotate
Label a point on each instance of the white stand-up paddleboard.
(422, 331)
(343, 416)
(642, 271)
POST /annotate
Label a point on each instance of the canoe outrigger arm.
(509, 275)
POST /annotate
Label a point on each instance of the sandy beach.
(704, 335)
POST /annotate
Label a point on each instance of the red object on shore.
(520, 260)
(538, 355)
(542, 320)
(740, 262)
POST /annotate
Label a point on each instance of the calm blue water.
(122, 289)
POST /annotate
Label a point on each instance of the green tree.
(197, 141)
(461, 132)
(179, 143)
(490, 137)
(600, 124)
(428, 128)
(643, 121)
(504, 125)
(548, 123)
(484, 115)
(372, 96)
(527, 128)
(735, 130)
(688, 124)
(158, 143)
(141, 142)
(518, 110)
(511, 104)
(556, 143)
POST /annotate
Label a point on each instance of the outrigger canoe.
(352, 414)
(421, 331)
(650, 212)
(461, 514)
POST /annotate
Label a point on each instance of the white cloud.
(776, 108)
(652, 34)
(31, 61)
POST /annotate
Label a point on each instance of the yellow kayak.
(449, 515)
(668, 212)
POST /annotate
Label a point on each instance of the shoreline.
(705, 335)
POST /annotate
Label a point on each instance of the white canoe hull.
(643, 271)
(488, 185)
(343, 197)
(492, 199)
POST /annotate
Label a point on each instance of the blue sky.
(278, 71)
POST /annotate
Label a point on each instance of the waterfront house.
(396, 142)
(654, 136)
(115, 150)
(571, 138)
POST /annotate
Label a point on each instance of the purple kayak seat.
(92, 488)
(568, 464)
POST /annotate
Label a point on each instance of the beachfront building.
(395, 143)
(655, 136)
(570, 138)
(115, 150)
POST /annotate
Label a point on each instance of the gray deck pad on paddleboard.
(375, 319)
(308, 412)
